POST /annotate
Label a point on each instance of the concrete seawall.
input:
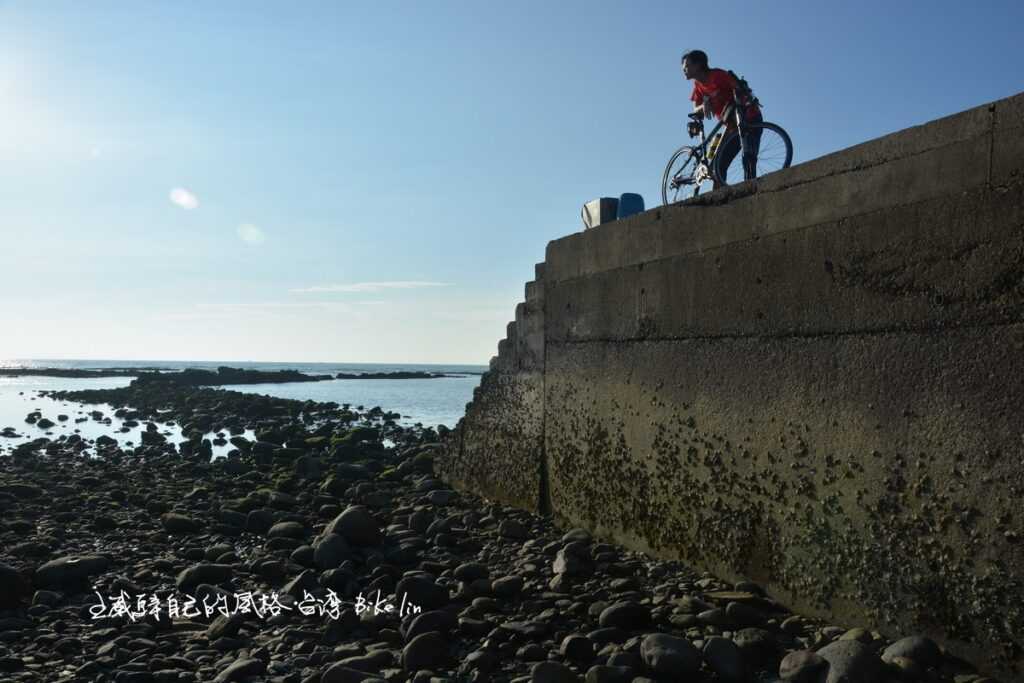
(814, 380)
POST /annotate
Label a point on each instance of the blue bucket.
(629, 204)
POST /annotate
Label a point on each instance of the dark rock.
(191, 577)
(715, 617)
(669, 655)
(422, 591)
(626, 615)
(576, 534)
(70, 570)
(306, 582)
(440, 621)
(507, 586)
(441, 497)
(471, 571)
(611, 634)
(287, 530)
(480, 660)
(241, 443)
(178, 523)
(259, 521)
(240, 670)
(14, 588)
(758, 646)
(330, 550)
(233, 518)
(573, 561)
(49, 598)
(425, 651)
(308, 467)
(725, 659)
(420, 520)
(552, 672)
(918, 649)
(744, 615)
(510, 528)
(10, 664)
(357, 526)
(371, 662)
(152, 438)
(577, 649)
(851, 661)
(802, 666)
(24, 491)
(339, 673)
(225, 626)
(610, 674)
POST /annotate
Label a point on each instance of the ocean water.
(429, 402)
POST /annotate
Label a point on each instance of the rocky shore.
(329, 553)
(68, 372)
(222, 376)
(189, 377)
(400, 374)
(226, 375)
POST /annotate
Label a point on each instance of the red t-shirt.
(719, 90)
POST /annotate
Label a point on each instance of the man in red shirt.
(713, 91)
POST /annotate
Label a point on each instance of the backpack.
(743, 90)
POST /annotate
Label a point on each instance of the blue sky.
(374, 181)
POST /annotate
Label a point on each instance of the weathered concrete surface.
(848, 474)
(813, 380)
(498, 442)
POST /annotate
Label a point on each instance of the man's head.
(695, 64)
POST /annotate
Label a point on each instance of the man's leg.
(752, 142)
(753, 145)
(727, 151)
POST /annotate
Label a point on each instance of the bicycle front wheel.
(769, 149)
(684, 176)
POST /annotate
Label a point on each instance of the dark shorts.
(752, 141)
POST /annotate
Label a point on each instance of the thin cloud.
(271, 305)
(250, 234)
(370, 286)
(184, 198)
(263, 309)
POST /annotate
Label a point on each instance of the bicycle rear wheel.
(684, 176)
(774, 153)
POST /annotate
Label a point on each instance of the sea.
(426, 402)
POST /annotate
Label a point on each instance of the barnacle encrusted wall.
(495, 449)
(813, 381)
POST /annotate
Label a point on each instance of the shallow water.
(429, 402)
(19, 396)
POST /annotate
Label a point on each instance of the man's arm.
(704, 108)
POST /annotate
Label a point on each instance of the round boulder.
(179, 524)
(357, 526)
(625, 615)
(669, 655)
(919, 649)
(425, 651)
(851, 661)
(71, 569)
(421, 590)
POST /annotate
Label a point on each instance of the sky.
(374, 181)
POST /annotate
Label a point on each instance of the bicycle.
(699, 164)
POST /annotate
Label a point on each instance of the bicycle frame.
(705, 138)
